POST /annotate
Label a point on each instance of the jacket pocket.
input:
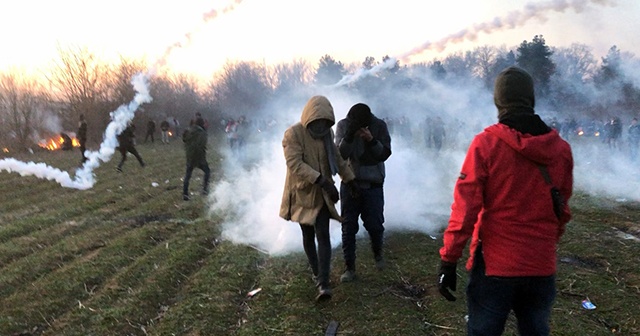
(306, 195)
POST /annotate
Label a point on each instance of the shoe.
(119, 170)
(380, 263)
(348, 276)
(185, 197)
(314, 278)
(324, 294)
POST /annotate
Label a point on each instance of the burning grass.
(127, 258)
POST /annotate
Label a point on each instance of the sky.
(282, 31)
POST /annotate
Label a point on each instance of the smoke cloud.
(419, 182)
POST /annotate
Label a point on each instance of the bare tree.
(575, 63)
(80, 84)
(484, 59)
(22, 101)
(241, 89)
(289, 77)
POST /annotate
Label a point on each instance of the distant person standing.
(232, 134)
(82, 137)
(127, 144)
(438, 133)
(151, 129)
(634, 138)
(310, 194)
(364, 142)
(506, 201)
(164, 127)
(176, 126)
(195, 145)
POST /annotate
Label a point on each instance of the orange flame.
(56, 143)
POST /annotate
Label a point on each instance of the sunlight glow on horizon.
(282, 31)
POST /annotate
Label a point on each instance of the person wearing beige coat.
(310, 194)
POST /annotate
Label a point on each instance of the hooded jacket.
(502, 200)
(306, 160)
(366, 159)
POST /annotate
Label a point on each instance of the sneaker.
(348, 276)
(185, 197)
(324, 294)
(119, 170)
(380, 263)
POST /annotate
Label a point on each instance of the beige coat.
(306, 160)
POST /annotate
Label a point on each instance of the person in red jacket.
(503, 201)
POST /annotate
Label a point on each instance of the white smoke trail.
(84, 178)
(206, 17)
(512, 20)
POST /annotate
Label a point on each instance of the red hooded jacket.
(502, 200)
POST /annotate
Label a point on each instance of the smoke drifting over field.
(420, 180)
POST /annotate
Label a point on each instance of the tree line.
(570, 80)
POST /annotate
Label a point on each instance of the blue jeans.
(370, 206)
(490, 299)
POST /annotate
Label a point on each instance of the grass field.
(128, 258)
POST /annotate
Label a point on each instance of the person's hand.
(329, 188)
(447, 279)
(364, 134)
(354, 189)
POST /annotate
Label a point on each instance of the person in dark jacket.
(82, 137)
(164, 127)
(127, 144)
(195, 146)
(364, 142)
(504, 201)
(151, 129)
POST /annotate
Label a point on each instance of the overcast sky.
(278, 31)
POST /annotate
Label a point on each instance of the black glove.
(329, 188)
(354, 188)
(447, 279)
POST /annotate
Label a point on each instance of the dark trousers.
(370, 207)
(320, 259)
(83, 148)
(149, 135)
(490, 299)
(204, 166)
(132, 150)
